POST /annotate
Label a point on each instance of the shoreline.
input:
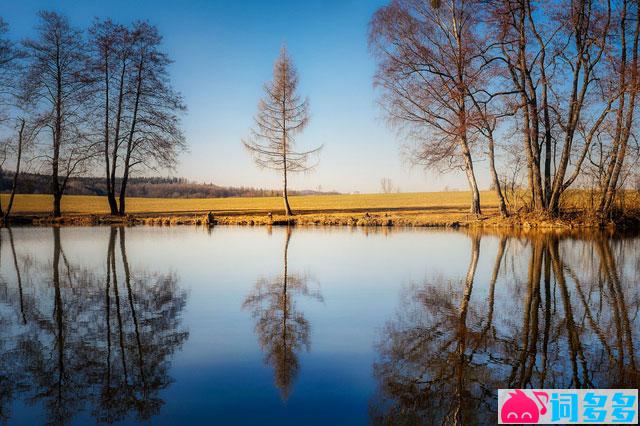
(391, 218)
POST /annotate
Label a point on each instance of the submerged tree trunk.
(116, 297)
(18, 275)
(58, 313)
(462, 360)
(127, 277)
(110, 252)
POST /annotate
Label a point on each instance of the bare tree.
(55, 84)
(21, 132)
(281, 115)
(554, 58)
(111, 51)
(154, 137)
(427, 60)
(491, 107)
(512, 179)
(386, 185)
(9, 57)
(26, 134)
(623, 74)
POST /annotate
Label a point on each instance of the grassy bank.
(412, 209)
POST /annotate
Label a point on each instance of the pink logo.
(519, 408)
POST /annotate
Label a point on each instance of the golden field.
(85, 204)
(404, 209)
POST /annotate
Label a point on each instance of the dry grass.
(414, 209)
(82, 204)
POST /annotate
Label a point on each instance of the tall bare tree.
(20, 131)
(9, 68)
(282, 114)
(16, 146)
(386, 185)
(56, 85)
(111, 51)
(428, 56)
(554, 58)
(622, 64)
(10, 56)
(154, 138)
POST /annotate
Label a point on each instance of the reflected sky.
(353, 296)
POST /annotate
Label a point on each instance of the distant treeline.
(150, 187)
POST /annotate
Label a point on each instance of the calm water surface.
(305, 326)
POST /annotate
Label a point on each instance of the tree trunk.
(502, 207)
(530, 119)
(285, 196)
(123, 189)
(113, 205)
(623, 129)
(55, 184)
(110, 185)
(57, 140)
(127, 160)
(544, 106)
(1, 213)
(116, 141)
(14, 184)
(554, 203)
(626, 131)
(471, 177)
(57, 201)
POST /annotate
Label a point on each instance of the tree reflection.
(442, 359)
(84, 340)
(281, 328)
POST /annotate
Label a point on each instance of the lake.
(243, 325)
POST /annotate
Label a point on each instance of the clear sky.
(224, 52)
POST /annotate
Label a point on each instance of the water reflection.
(76, 339)
(282, 329)
(554, 313)
(93, 326)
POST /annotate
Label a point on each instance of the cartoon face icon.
(519, 408)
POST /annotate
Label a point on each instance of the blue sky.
(224, 52)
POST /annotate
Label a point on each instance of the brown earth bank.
(452, 218)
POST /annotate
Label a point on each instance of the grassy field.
(411, 209)
(81, 204)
